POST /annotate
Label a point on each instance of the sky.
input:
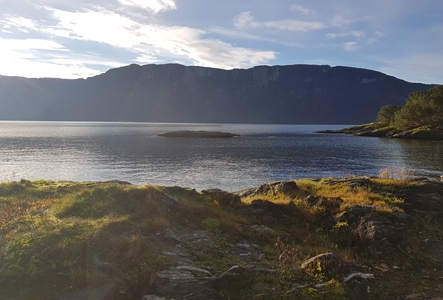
(79, 38)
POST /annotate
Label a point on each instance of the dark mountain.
(175, 93)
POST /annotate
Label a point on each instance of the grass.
(57, 237)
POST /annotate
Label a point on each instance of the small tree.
(421, 109)
(386, 115)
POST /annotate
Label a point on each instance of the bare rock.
(360, 210)
(267, 208)
(329, 204)
(247, 249)
(184, 282)
(238, 272)
(262, 229)
(425, 196)
(288, 188)
(225, 199)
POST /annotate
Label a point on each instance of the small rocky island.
(198, 134)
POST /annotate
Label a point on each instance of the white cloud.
(302, 9)
(178, 42)
(152, 5)
(246, 20)
(33, 44)
(339, 21)
(43, 58)
(149, 43)
(238, 34)
(100, 26)
(18, 22)
(355, 33)
(350, 46)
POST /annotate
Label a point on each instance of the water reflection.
(133, 152)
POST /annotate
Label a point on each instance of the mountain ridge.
(293, 94)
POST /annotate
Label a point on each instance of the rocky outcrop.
(187, 281)
(288, 188)
(373, 130)
(425, 196)
(331, 205)
(225, 199)
(364, 225)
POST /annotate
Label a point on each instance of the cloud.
(237, 34)
(153, 5)
(43, 58)
(339, 21)
(100, 26)
(355, 33)
(147, 43)
(20, 23)
(302, 9)
(246, 20)
(350, 46)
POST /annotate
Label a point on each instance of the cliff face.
(175, 93)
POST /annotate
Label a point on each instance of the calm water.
(132, 152)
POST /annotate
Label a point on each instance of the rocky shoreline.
(371, 129)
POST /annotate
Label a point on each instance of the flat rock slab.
(198, 134)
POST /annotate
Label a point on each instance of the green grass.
(53, 233)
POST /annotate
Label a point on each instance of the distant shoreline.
(370, 129)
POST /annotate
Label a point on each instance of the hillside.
(174, 93)
(348, 239)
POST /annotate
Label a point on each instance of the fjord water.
(133, 152)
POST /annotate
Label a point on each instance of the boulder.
(355, 182)
(360, 210)
(288, 188)
(365, 225)
(370, 231)
(225, 199)
(267, 208)
(328, 204)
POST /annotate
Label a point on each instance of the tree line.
(422, 109)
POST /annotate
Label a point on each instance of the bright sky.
(79, 38)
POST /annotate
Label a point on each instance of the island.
(198, 134)
(326, 238)
(421, 118)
